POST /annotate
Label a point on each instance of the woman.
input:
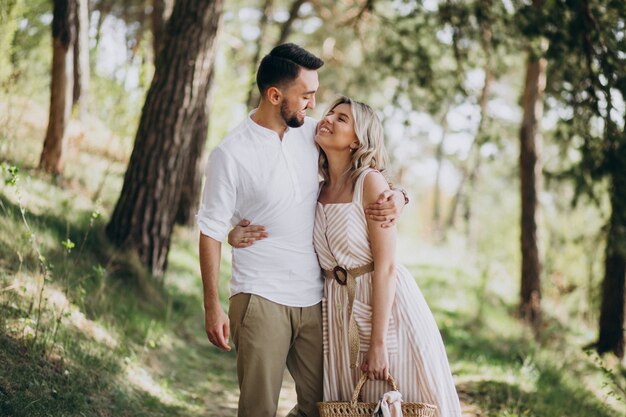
(375, 317)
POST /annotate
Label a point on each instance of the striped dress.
(417, 357)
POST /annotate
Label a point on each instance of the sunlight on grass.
(140, 378)
(104, 343)
(56, 304)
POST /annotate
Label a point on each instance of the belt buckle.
(336, 271)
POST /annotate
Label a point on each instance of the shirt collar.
(260, 130)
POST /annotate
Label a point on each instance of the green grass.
(103, 339)
(499, 366)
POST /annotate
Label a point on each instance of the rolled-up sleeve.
(218, 196)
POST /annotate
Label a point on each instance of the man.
(265, 170)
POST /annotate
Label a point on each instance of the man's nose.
(311, 103)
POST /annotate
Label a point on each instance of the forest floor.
(84, 331)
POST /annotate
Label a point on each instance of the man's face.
(298, 97)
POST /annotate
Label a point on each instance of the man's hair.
(282, 66)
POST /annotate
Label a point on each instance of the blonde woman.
(387, 315)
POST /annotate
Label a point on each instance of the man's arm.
(245, 234)
(387, 207)
(216, 321)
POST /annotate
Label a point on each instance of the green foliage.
(587, 40)
(11, 172)
(10, 10)
(30, 51)
(83, 341)
(399, 53)
(68, 245)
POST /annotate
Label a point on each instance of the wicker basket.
(360, 409)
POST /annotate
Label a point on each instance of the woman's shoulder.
(374, 184)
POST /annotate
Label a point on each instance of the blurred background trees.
(505, 119)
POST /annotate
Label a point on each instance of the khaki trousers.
(267, 337)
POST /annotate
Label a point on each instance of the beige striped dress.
(417, 357)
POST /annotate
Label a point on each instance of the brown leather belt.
(348, 277)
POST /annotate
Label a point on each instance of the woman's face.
(335, 132)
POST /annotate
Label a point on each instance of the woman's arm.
(383, 245)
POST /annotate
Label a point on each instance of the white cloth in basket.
(389, 405)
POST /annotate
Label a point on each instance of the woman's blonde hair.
(371, 152)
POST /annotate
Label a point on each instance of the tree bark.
(530, 176)
(611, 335)
(63, 38)
(143, 218)
(190, 193)
(81, 55)
(161, 11)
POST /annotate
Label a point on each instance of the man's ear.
(274, 95)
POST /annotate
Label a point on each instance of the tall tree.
(530, 179)
(287, 26)
(61, 89)
(161, 11)
(144, 215)
(587, 40)
(81, 55)
(191, 185)
(485, 18)
(191, 191)
(438, 233)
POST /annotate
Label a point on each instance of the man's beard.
(291, 119)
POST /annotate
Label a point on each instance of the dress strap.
(357, 196)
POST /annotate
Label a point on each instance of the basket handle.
(357, 390)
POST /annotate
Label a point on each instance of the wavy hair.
(371, 152)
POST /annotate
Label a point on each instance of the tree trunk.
(285, 30)
(161, 11)
(144, 215)
(81, 55)
(253, 93)
(63, 38)
(190, 194)
(104, 7)
(474, 158)
(437, 229)
(530, 176)
(611, 335)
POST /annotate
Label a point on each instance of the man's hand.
(217, 327)
(387, 208)
(245, 234)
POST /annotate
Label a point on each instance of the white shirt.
(252, 174)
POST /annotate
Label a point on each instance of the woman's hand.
(245, 234)
(376, 362)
